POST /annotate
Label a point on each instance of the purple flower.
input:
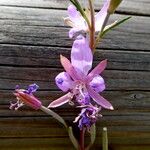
(78, 23)
(26, 97)
(81, 85)
(88, 116)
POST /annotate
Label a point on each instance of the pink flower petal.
(74, 15)
(69, 68)
(76, 18)
(101, 15)
(99, 99)
(97, 70)
(97, 84)
(78, 117)
(64, 81)
(81, 56)
(60, 101)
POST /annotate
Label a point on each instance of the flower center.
(81, 93)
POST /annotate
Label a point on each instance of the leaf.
(72, 138)
(61, 120)
(74, 3)
(113, 5)
(77, 5)
(92, 132)
(113, 25)
(54, 115)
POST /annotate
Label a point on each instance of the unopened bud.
(28, 99)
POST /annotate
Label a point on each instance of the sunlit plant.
(81, 83)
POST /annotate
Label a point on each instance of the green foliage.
(72, 138)
(113, 5)
(112, 26)
(54, 115)
(92, 132)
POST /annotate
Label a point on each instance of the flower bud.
(113, 5)
(28, 99)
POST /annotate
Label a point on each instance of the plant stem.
(82, 134)
(54, 115)
(61, 120)
(92, 26)
(105, 139)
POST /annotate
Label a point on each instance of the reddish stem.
(92, 27)
(82, 134)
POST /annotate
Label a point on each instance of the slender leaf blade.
(54, 115)
(92, 132)
(72, 138)
(74, 3)
(115, 24)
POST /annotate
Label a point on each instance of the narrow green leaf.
(105, 139)
(92, 132)
(54, 115)
(113, 5)
(115, 24)
(77, 5)
(74, 3)
(72, 138)
(61, 120)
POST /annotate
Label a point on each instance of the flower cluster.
(88, 116)
(81, 83)
(78, 23)
(26, 97)
(82, 86)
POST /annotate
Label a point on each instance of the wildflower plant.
(82, 84)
